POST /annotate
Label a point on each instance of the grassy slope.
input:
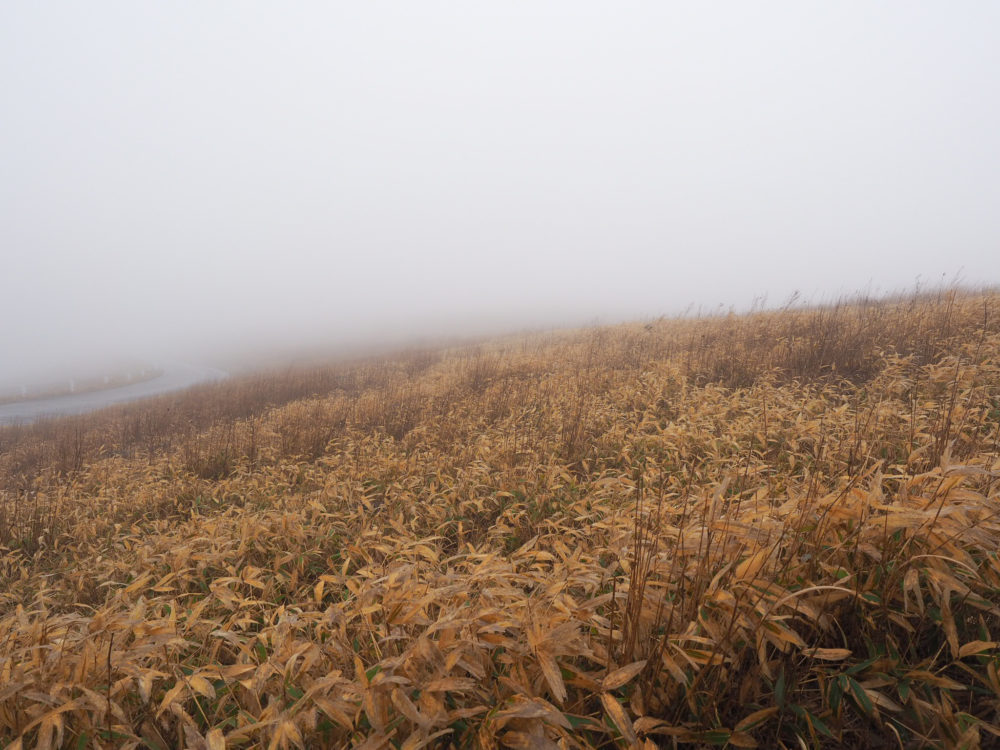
(756, 530)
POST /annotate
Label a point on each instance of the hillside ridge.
(766, 530)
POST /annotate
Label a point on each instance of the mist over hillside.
(197, 181)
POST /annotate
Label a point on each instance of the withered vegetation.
(774, 530)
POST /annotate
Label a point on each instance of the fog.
(199, 180)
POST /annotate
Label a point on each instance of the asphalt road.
(174, 378)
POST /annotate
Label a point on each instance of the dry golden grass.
(773, 530)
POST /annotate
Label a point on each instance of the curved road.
(175, 377)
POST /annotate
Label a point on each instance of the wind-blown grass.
(774, 530)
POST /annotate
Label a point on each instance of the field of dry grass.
(775, 530)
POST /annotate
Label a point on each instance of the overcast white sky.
(175, 174)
